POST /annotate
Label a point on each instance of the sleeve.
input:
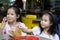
(56, 37)
(36, 30)
(23, 25)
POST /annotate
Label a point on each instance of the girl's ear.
(18, 16)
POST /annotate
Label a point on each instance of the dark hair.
(52, 17)
(17, 11)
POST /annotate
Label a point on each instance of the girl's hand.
(3, 24)
(4, 20)
(25, 29)
(15, 31)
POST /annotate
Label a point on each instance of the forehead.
(46, 16)
(11, 10)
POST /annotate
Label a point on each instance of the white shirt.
(36, 31)
(7, 28)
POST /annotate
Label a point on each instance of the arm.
(26, 30)
(2, 25)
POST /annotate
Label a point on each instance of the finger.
(4, 19)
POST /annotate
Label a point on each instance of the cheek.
(47, 24)
(14, 17)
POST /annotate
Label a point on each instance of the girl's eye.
(45, 20)
(12, 14)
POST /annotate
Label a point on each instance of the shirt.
(37, 31)
(7, 28)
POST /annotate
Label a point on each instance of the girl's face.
(45, 21)
(11, 15)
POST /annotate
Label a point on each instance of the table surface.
(2, 37)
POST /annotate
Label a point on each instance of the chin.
(43, 26)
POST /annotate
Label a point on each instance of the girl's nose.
(9, 15)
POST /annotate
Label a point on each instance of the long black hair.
(17, 11)
(53, 19)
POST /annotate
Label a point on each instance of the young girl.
(12, 17)
(47, 28)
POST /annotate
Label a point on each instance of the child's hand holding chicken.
(16, 31)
